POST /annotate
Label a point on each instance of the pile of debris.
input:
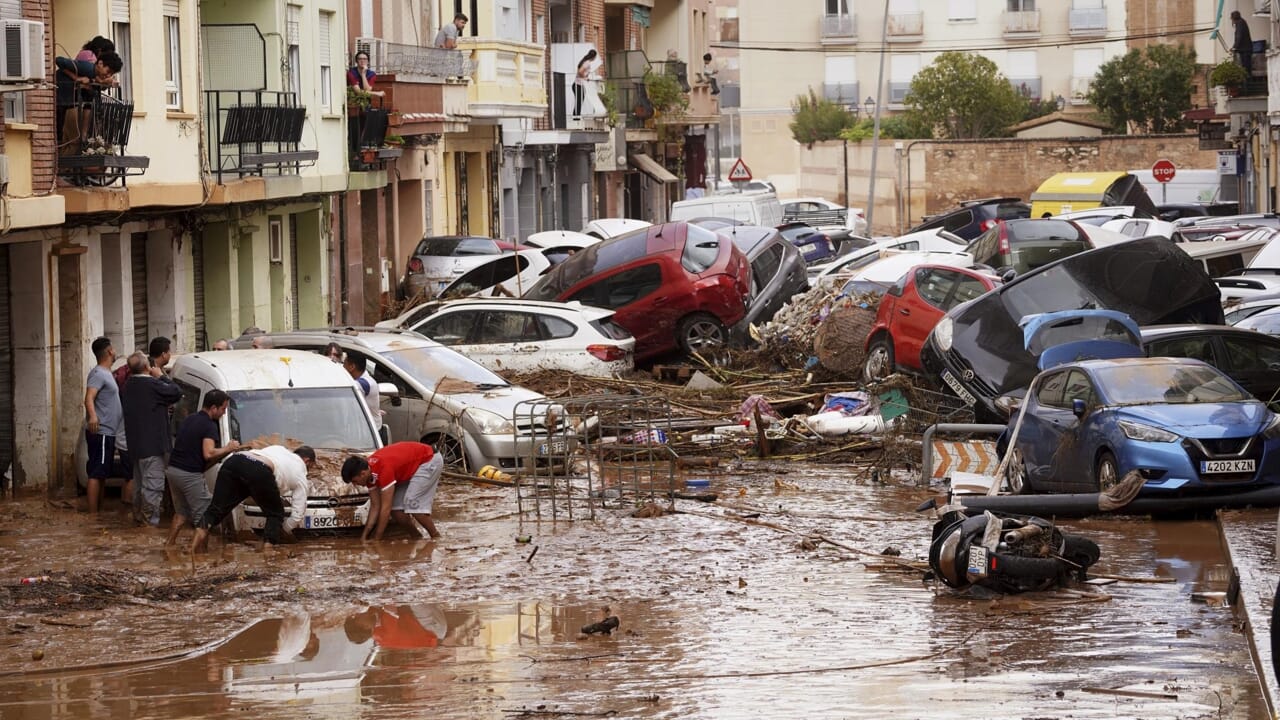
(822, 323)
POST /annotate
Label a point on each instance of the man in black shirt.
(1243, 42)
(196, 447)
(146, 399)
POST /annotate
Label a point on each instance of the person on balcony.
(709, 73)
(80, 83)
(447, 38)
(1243, 46)
(586, 66)
(361, 76)
(95, 48)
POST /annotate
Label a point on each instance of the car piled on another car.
(438, 261)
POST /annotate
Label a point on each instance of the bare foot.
(200, 543)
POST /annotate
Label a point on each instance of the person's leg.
(577, 99)
(181, 511)
(152, 470)
(421, 494)
(96, 468)
(124, 468)
(261, 483)
(229, 490)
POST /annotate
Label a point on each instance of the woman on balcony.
(361, 76)
(588, 72)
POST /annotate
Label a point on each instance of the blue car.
(1182, 423)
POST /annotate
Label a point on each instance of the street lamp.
(870, 104)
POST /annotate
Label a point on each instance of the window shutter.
(10, 9)
(326, 49)
(120, 11)
(170, 8)
(293, 25)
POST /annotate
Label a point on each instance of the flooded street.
(719, 618)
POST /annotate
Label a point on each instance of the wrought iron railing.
(626, 72)
(367, 135)
(251, 132)
(93, 133)
(427, 61)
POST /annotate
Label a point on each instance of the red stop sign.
(1163, 171)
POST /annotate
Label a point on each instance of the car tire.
(880, 361)
(700, 332)
(1016, 475)
(454, 457)
(1106, 473)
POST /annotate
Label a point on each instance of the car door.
(1254, 363)
(764, 272)
(1196, 347)
(451, 327)
(633, 294)
(401, 414)
(1040, 434)
(920, 308)
(506, 340)
(1079, 435)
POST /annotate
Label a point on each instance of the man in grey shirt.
(447, 38)
(147, 397)
(104, 422)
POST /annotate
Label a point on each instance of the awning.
(652, 168)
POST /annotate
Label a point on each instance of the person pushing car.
(401, 475)
(267, 475)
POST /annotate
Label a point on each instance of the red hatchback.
(911, 308)
(674, 287)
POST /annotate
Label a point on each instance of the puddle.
(719, 618)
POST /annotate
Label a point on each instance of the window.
(765, 266)
(554, 328)
(1078, 388)
(452, 329)
(1022, 5)
(934, 286)
(1196, 348)
(124, 48)
(1252, 355)
(962, 10)
(293, 33)
(701, 248)
(507, 327)
(621, 289)
(188, 404)
(985, 249)
(172, 62)
(1050, 392)
(326, 61)
(968, 289)
(15, 107)
(837, 7)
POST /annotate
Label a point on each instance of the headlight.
(942, 334)
(1138, 431)
(490, 423)
(1272, 430)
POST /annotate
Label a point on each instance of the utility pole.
(875, 133)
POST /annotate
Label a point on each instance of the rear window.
(1041, 230)
(1084, 328)
(610, 329)
(701, 248)
(448, 246)
(1012, 211)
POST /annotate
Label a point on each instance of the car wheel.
(701, 332)
(879, 362)
(1016, 474)
(1107, 473)
(451, 448)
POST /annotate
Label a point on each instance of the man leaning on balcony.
(79, 83)
(447, 38)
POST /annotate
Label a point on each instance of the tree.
(817, 119)
(1145, 91)
(964, 96)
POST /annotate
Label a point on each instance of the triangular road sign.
(739, 172)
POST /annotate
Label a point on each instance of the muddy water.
(719, 619)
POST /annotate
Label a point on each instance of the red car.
(910, 309)
(674, 287)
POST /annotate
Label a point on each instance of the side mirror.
(386, 389)
(1078, 407)
(1007, 275)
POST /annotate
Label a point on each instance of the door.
(1039, 435)
(197, 284)
(399, 414)
(1074, 457)
(917, 312)
(648, 315)
(138, 262)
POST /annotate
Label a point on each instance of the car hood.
(1202, 420)
(325, 478)
(502, 401)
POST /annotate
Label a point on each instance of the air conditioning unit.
(376, 47)
(21, 50)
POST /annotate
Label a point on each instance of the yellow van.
(1072, 191)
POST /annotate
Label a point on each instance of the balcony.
(424, 108)
(367, 122)
(1022, 24)
(1087, 22)
(591, 116)
(845, 93)
(906, 27)
(1080, 90)
(898, 92)
(1028, 87)
(838, 27)
(507, 78)
(254, 133)
(95, 154)
(625, 71)
(413, 62)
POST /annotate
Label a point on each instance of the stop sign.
(1163, 171)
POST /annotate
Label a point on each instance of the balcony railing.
(507, 78)
(841, 93)
(1087, 21)
(838, 26)
(94, 134)
(367, 135)
(399, 59)
(906, 27)
(1022, 23)
(625, 71)
(249, 132)
(1028, 87)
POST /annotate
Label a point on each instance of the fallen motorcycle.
(1007, 553)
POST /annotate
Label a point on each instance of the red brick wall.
(40, 105)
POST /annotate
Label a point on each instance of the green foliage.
(357, 98)
(666, 94)
(1228, 73)
(609, 98)
(1039, 107)
(817, 119)
(902, 127)
(964, 96)
(1146, 90)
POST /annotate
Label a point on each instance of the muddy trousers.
(243, 477)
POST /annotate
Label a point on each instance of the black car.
(977, 348)
(1024, 245)
(1251, 358)
(975, 217)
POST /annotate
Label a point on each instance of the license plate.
(959, 389)
(555, 447)
(977, 560)
(1226, 466)
(320, 522)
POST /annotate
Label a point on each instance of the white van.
(286, 397)
(1223, 257)
(761, 209)
(1187, 186)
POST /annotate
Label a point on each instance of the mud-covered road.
(719, 618)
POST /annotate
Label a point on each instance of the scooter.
(1007, 553)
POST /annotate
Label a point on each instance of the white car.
(506, 275)
(529, 335)
(855, 218)
(606, 228)
(1237, 312)
(1244, 287)
(923, 240)
(1140, 227)
(1102, 237)
(881, 274)
(438, 261)
(1099, 215)
(561, 239)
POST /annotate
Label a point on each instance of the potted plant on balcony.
(393, 141)
(1230, 75)
(358, 100)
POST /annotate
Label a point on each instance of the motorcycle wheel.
(1024, 570)
(1081, 551)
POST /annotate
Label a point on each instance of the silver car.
(437, 396)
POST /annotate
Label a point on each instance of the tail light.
(607, 353)
(986, 225)
(1004, 239)
(415, 265)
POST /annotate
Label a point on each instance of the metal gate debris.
(608, 451)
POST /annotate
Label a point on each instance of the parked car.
(910, 309)
(523, 336)
(1244, 287)
(716, 223)
(1181, 423)
(751, 208)
(1099, 215)
(441, 398)
(846, 265)
(824, 215)
(814, 246)
(1236, 313)
(777, 271)
(504, 275)
(605, 228)
(1024, 245)
(1140, 227)
(560, 239)
(438, 261)
(1266, 321)
(975, 217)
(725, 187)
(879, 276)
(674, 286)
(977, 350)
(1251, 358)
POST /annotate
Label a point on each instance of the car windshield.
(446, 246)
(1146, 383)
(320, 417)
(433, 365)
(590, 260)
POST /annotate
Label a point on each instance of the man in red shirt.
(402, 479)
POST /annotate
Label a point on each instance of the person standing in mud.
(195, 449)
(104, 423)
(147, 398)
(267, 475)
(402, 479)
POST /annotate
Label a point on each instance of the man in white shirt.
(267, 475)
(358, 368)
